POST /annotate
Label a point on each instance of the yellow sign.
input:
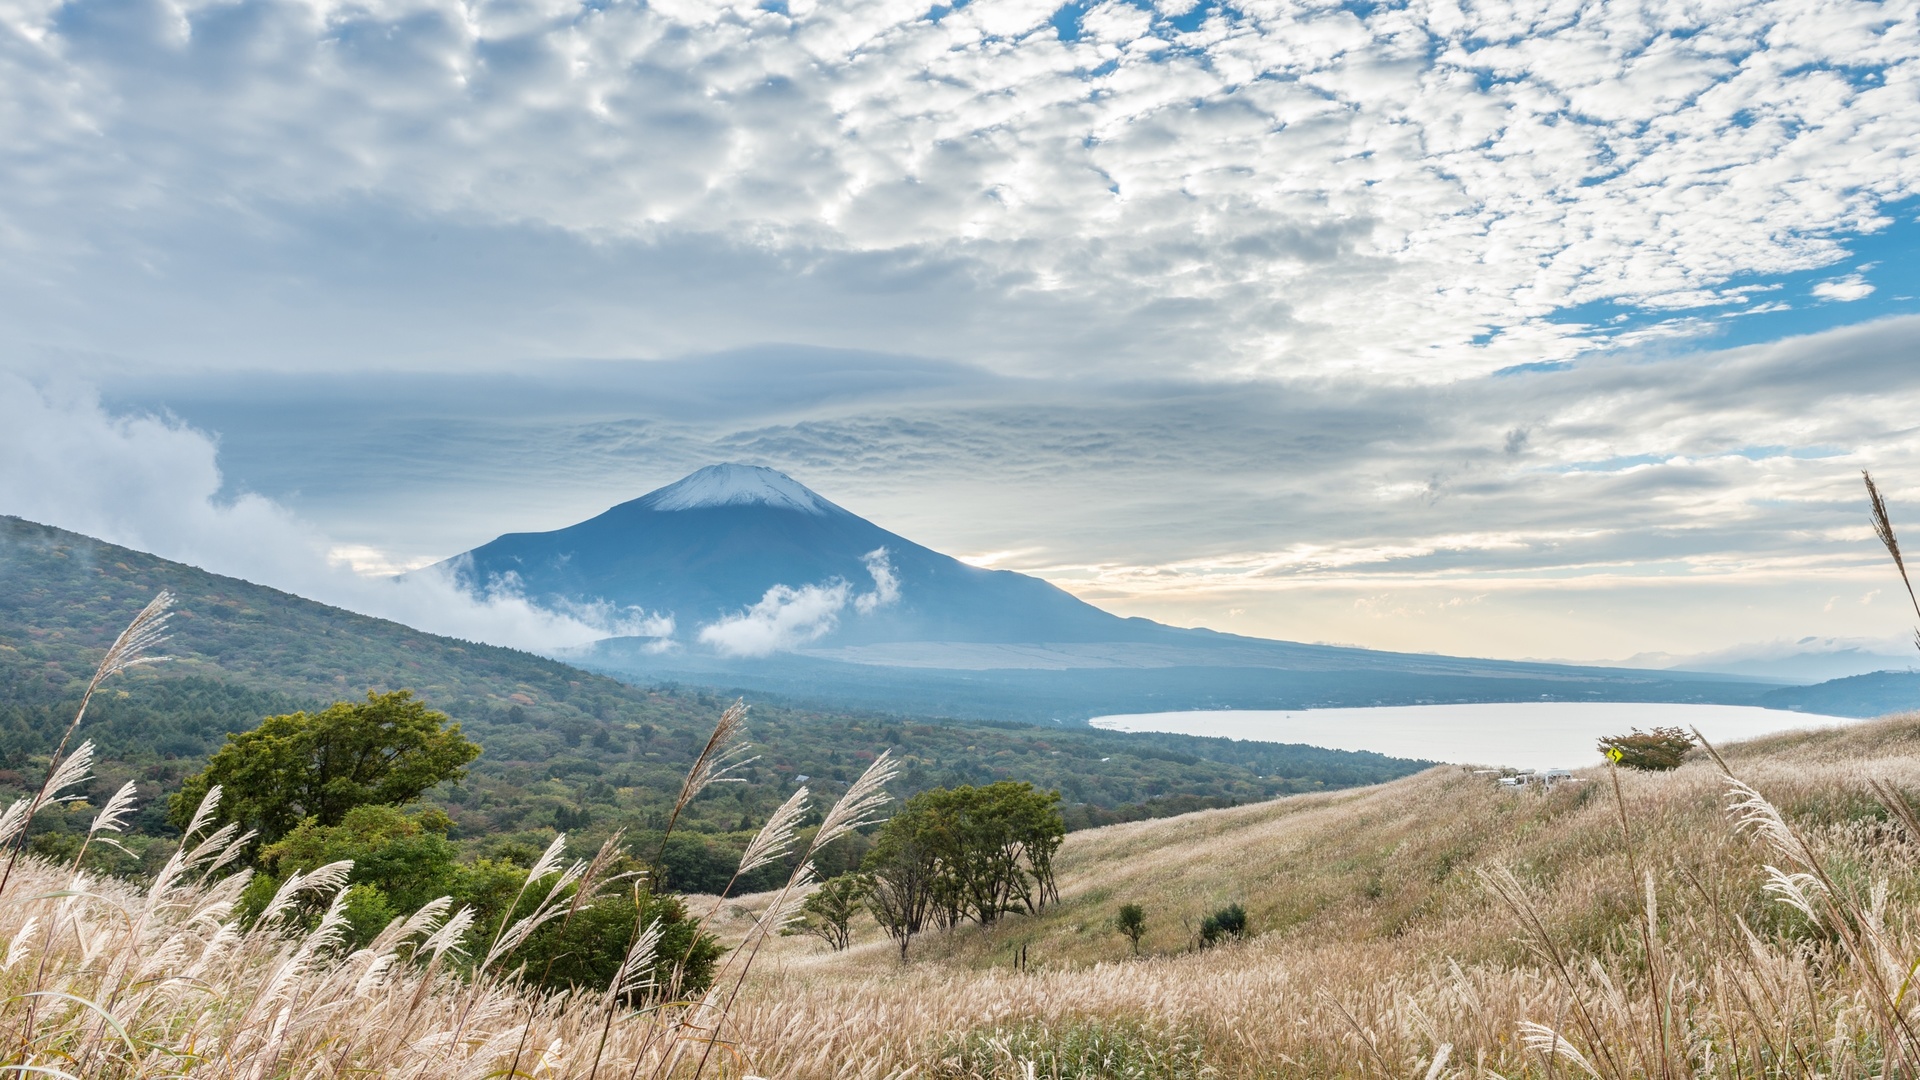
(1614, 754)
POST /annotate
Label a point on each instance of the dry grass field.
(1435, 926)
(1750, 914)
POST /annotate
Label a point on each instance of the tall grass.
(1749, 917)
(103, 979)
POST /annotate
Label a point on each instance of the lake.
(1527, 735)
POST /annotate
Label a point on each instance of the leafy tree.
(385, 751)
(954, 854)
(1661, 748)
(1132, 921)
(904, 867)
(1229, 921)
(401, 861)
(828, 913)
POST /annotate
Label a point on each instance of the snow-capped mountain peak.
(728, 484)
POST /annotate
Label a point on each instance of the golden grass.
(1752, 915)
(1435, 927)
(1388, 944)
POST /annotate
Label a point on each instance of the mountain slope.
(716, 542)
(1427, 918)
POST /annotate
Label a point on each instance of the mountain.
(1876, 693)
(1807, 659)
(743, 576)
(715, 545)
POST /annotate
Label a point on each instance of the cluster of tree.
(949, 856)
(1661, 748)
(343, 784)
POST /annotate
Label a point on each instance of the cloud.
(1275, 187)
(787, 618)
(886, 583)
(1846, 289)
(154, 484)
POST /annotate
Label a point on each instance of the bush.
(1229, 921)
(1661, 748)
(1132, 921)
(584, 951)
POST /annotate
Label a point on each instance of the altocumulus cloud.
(1298, 185)
(153, 484)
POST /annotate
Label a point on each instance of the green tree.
(401, 862)
(829, 911)
(1661, 748)
(954, 854)
(387, 750)
(1132, 921)
(905, 871)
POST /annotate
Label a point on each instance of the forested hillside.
(563, 748)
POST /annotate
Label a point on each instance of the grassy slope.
(562, 745)
(1363, 902)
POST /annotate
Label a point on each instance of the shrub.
(583, 952)
(1661, 748)
(1229, 921)
(1132, 921)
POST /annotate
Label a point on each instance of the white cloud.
(886, 583)
(787, 618)
(1290, 186)
(153, 484)
(1846, 289)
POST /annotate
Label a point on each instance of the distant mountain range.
(743, 576)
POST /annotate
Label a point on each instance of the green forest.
(562, 749)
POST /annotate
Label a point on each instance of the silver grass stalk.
(636, 968)
(717, 759)
(113, 816)
(775, 838)
(1752, 812)
(331, 876)
(423, 921)
(203, 814)
(75, 770)
(1545, 1041)
(1883, 528)
(17, 947)
(1795, 890)
(447, 939)
(544, 912)
(855, 809)
(128, 650)
(14, 818)
(548, 861)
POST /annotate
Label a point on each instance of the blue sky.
(1511, 328)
